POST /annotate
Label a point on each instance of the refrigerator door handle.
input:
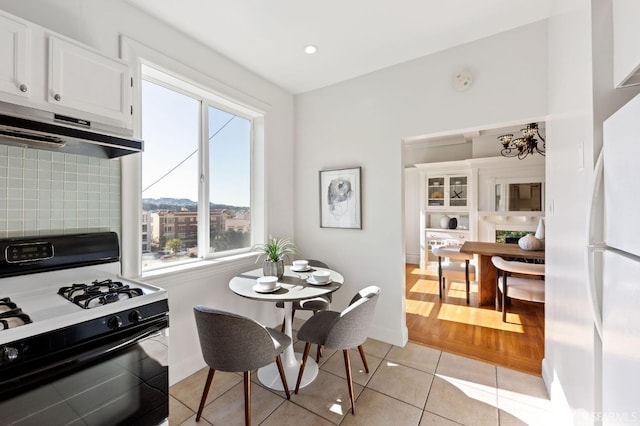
(593, 246)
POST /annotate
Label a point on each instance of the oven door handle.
(26, 373)
(107, 349)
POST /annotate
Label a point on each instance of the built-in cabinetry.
(446, 206)
(478, 199)
(14, 66)
(47, 71)
(447, 192)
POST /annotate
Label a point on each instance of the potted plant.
(273, 252)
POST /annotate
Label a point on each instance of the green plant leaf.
(275, 249)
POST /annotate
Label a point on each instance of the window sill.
(219, 264)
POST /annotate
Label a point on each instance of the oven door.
(121, 379)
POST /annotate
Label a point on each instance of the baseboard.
(547, 375)
(412, 258)
(388, 335)
(561, 408)
(185, 367)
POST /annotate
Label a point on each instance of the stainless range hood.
(32, 128)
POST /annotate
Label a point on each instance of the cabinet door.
(86, 81)
(435, 192)
(14, 48)
(458, 194)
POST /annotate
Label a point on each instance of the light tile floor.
(414, 385)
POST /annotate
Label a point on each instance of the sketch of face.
(339, 191)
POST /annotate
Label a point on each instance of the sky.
(170, 159)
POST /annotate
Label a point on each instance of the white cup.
(300, 265)
(321, 276)
(267, 283)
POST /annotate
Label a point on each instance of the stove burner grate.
(98, 293)
(10, 315)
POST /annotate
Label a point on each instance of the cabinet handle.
(57, 97)
(23, 87)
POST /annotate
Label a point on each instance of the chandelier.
(521, 147)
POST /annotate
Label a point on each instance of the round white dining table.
(292, 286)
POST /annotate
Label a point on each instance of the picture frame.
(341, 198)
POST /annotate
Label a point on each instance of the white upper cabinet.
(14, 48)
(450, 192)
(85, 80)
(49, 72)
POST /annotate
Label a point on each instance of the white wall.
(412, 215)
(581, 95)
(626, 14)
(99, 24)
(361, 122)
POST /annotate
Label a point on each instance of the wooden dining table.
(487, 272)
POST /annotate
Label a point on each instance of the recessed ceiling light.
(310, 49)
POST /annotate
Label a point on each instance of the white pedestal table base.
(270, 377)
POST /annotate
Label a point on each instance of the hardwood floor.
(453, 326)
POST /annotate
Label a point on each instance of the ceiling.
(354, 37)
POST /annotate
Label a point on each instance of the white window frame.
(218, 95)
(204, 231)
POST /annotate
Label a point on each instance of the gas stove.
(98, 293)
(35, 272)
(10, 315)
(66, 313)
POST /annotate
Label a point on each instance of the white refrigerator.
(614, 265)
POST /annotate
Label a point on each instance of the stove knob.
(114, 322)
(9, 354)
(135, 316)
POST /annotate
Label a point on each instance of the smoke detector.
(462, 80)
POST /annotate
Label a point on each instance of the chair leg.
(205, 392)
(247, 398)
(440, 282)
(498, 292)
(504, 296)
(347, 367)
(283, 377)
(466, 275)
(364, 359)
(305, 355)
(318, 354)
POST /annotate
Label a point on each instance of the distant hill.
(155, 204)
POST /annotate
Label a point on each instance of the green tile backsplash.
(43, 192)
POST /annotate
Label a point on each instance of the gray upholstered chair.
(341, 330)
(314, 304)
(518, 280)
(234, 343)
(457, 268)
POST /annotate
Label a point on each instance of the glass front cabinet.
(447, 192)
(447, 206)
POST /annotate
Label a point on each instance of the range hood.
(37, 129)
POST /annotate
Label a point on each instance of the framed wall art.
(340, 198)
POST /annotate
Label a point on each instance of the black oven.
(70, 362)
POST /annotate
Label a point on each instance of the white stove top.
(37, 296)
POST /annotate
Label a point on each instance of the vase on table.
(444, 222)
(274, 269)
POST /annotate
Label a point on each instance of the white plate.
(314, 282)
(308, 268)
(258, 289)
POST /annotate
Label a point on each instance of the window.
(196, 191)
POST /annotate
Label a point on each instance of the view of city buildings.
(228, 229)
